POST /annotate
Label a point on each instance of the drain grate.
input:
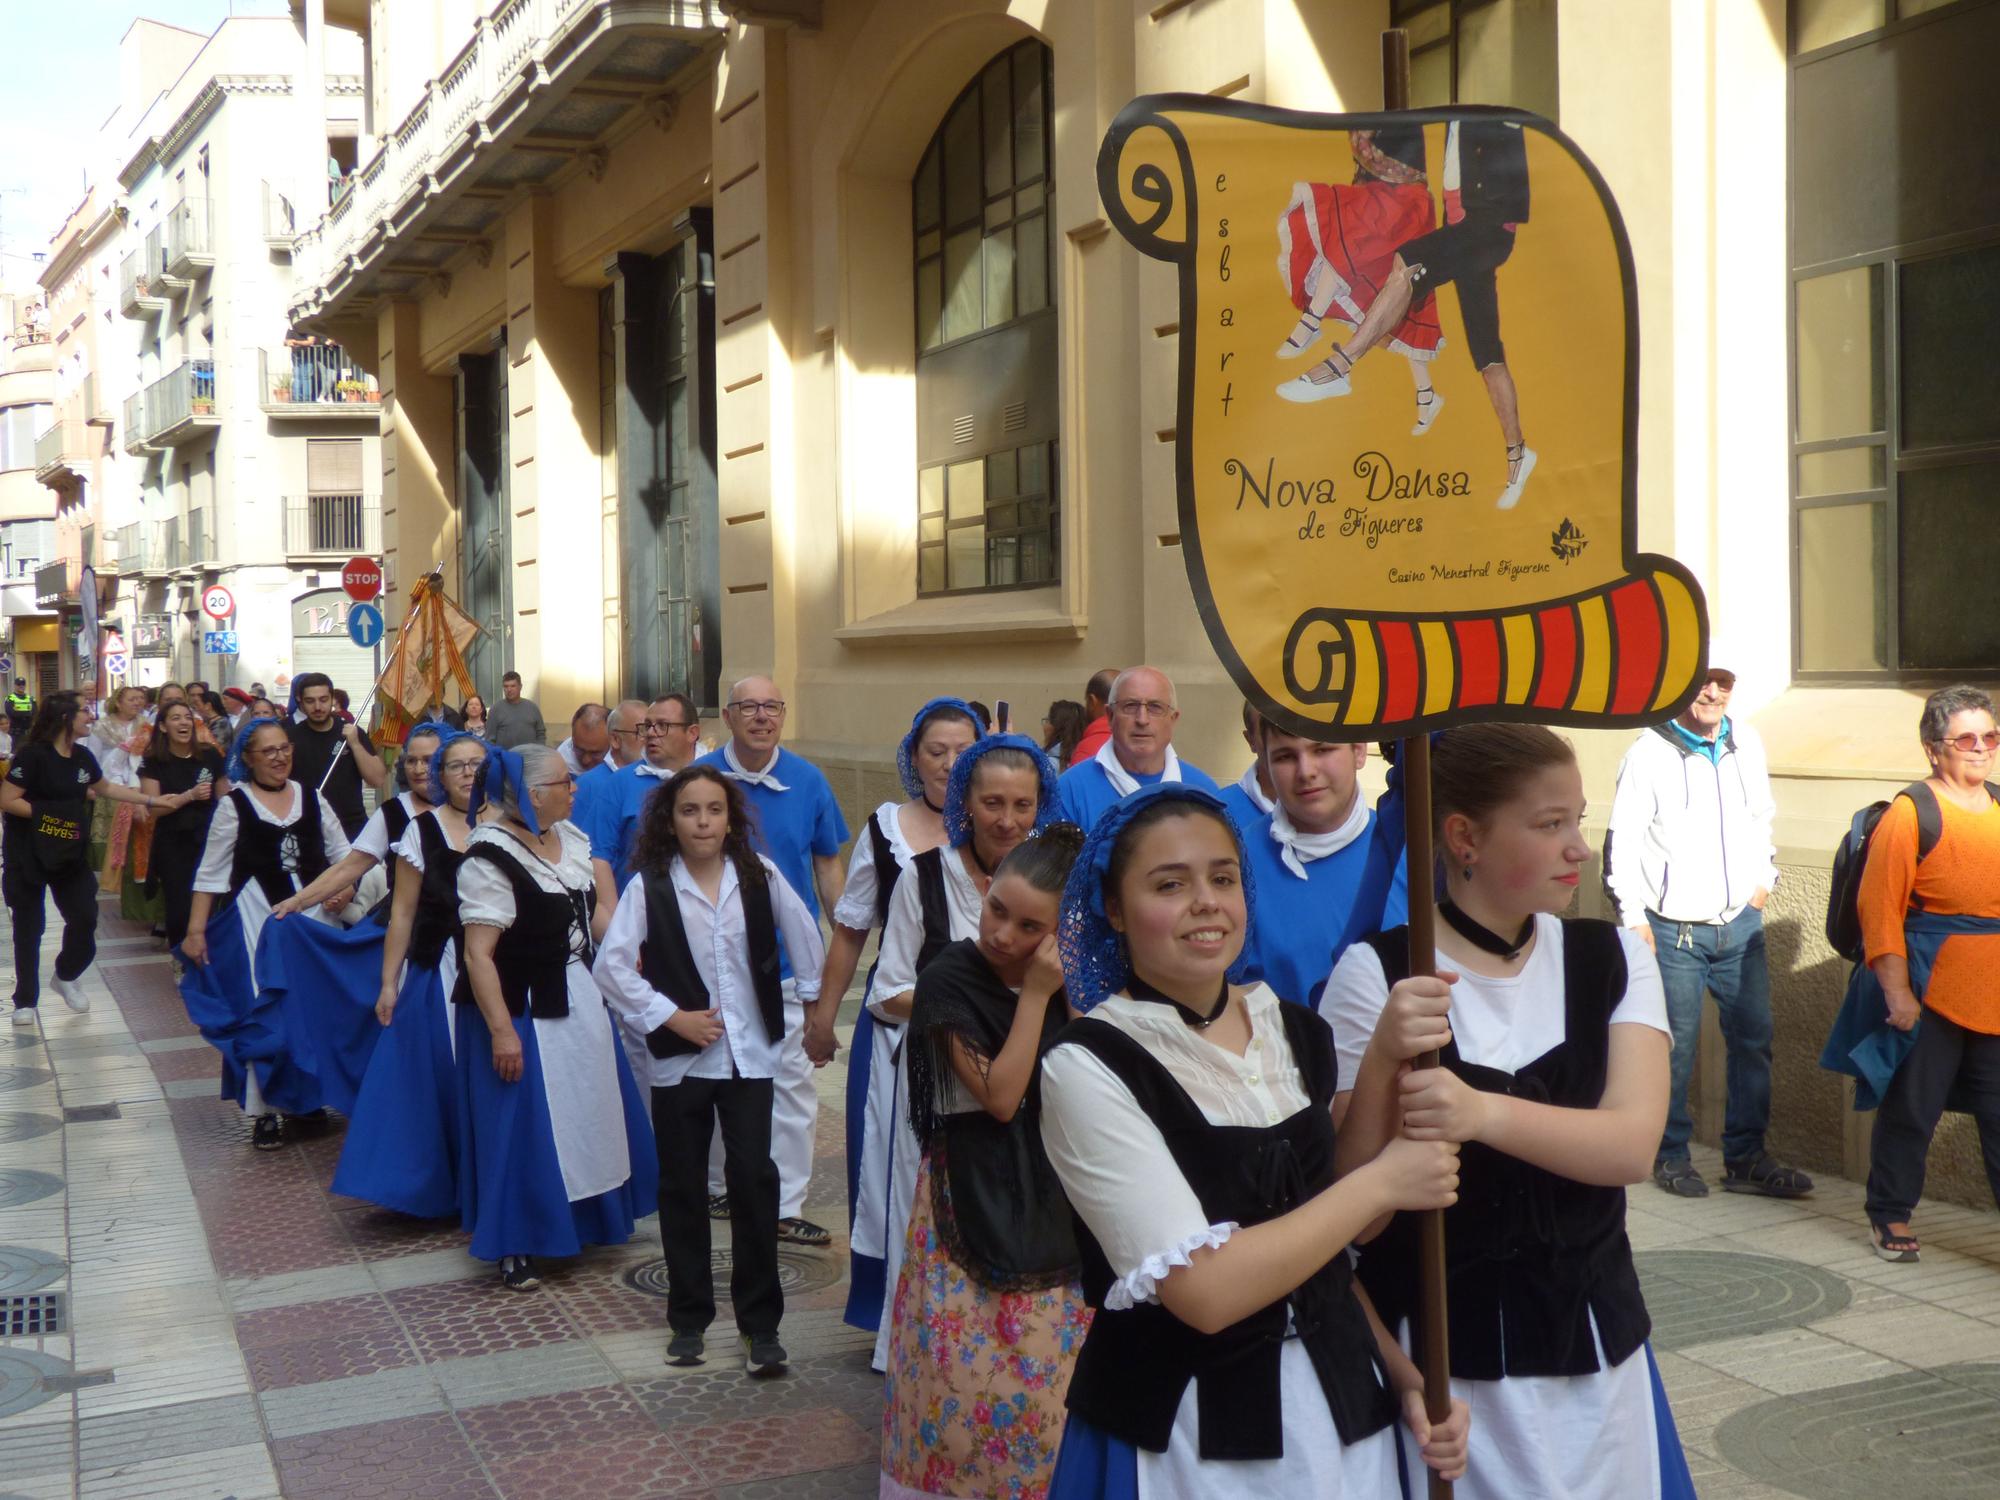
(63, 1385)
(798, 1272)
(78, 1114)
(36, 1314)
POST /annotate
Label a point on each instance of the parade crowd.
(1136, 1136)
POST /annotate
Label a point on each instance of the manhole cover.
(799, 1271)
(82, 1114)
(1698, 1296)
(22, 1376)
(1934, 1433)
(19, 1186)
(25, 1127)
(25, 1270)
(12, 1078)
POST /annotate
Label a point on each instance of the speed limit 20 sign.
(217, 602)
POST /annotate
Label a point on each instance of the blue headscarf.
(503, 769)
(447, 737)
(906, 753)
(958, 819)
(417, 731)
(1094, 957)
(236, 770)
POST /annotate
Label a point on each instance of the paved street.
(228, 1328)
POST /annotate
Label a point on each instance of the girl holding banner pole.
(1554, 1049)
(1190, 1122)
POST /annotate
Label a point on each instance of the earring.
(1466, 873)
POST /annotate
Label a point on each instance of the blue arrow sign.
(364, 624)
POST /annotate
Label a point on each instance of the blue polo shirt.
(1303, 926)
(617, 802)
(1085, 793)
(1243, 811)
(793, 825)
(589, 786)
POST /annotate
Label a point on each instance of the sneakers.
(763, 1358)
(686, 1350)
(1304, 388)
(803, 1232)
(718, 1206)
(1678, 1176)
(1765, 1175)
(268, 1134)
(517, 1273)
(24, 1016)
(72, 993)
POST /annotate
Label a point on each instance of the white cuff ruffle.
(1141, 1283)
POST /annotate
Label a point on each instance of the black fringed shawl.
(998, 1205)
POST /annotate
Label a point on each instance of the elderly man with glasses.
(800, 827)
(625, 736)
(1139, 753)
(1689, 860)
(670, 730)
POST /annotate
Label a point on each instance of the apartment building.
(27, 512)
(787, 336)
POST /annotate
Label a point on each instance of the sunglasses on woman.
(1967, 743)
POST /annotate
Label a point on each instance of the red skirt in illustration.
(1336, 243)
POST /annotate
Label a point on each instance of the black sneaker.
(517, 1273)
(763, 1358)
(686, 1350)
(268, 1134)
(1764, 1174)
(1678, 1176)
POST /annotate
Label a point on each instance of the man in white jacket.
(1690, 863)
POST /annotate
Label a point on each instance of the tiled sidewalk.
(234, 1330)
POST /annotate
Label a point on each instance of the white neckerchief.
(1247, 784)
(1123, 781)
(1296, 848)
(733, 769)
(647, 768)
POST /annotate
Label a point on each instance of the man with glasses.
(589, 739)
(670, 729)
(800, 827)
(624, 726)
(1139, 753)
(1688, 859)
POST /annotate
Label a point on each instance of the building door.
(486, 553)
(663, 317)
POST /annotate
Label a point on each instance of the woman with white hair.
(556, 1151)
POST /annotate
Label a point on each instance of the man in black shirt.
(315, 742)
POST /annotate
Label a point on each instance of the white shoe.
(1304, 389)
(1427, 413)
(72, 993)
(1305, 333)
(1511, 496)
(24, 1017)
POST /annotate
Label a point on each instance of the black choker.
(925, 799)
(972, 848)
(1138, 989)
(1485, 938)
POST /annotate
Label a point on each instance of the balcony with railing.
(332, 525)
(132, 546)
(96, 405)
(57, 583)
(142, 278)
(61, 449)
(188, 252)
(180, 406)
(280, 223)
(523, 58)
(186, 541)
(315, 380)
(137, 433)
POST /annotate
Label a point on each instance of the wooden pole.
(1434, 1358)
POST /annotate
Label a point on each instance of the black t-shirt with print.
(313, 750)
(175, 775)
(53, 783)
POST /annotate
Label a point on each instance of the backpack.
(1843, 909)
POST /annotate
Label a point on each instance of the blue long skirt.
(327, 978)
(402, 1147)
(511, 1193)
(247, 1025)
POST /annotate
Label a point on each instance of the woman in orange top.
(1932, 931)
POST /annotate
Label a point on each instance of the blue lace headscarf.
(237, 770)
(417, 732)
(447, 737)
(1094, 957)
(504, 769)
(958, 818)
(906, 753)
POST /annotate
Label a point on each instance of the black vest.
(1136, 1362)
(887, 871)
(935, 905)
(436, 922)
(667, 963)
(533, 954)
(1531, 1257)
(260, 846)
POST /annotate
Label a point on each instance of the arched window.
(986, 336)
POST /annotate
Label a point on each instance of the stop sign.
(362, 578)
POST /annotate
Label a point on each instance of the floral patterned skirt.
(974, 1392)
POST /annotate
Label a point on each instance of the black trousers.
(75, 889)
(684, 1119)
(1946, 1061)
(175, 859)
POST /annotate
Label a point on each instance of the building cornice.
(162, 149)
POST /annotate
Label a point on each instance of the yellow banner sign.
(1408, 416)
